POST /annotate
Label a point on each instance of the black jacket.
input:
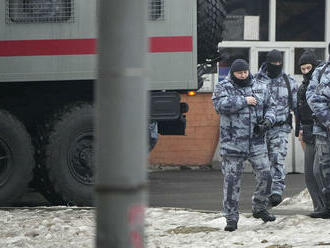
(304, 115)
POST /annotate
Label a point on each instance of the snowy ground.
(166, 228)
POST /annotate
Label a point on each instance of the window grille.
(39, 11)
(156, 10)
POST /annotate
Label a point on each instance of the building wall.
(198, 145)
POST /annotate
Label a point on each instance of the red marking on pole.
(136, 223)
(11, 48)
(170, 44)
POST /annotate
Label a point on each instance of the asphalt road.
(193, 189)
(202, 190)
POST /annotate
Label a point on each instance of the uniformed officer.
(283, 89)
(318, 98)
(304, 130)
(153, 134)
(246, 112)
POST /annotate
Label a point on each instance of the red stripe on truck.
(47, 47)
(170, 44)
(14, 48)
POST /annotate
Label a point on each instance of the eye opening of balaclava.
(240, 65)
(274, 56)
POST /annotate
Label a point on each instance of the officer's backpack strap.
(287, 82)
(288, 86)
(322, 71)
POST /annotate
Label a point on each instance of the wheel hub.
(81, 158)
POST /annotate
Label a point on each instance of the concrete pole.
(121, 126)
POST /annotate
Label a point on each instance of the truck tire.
(67, 156)
(210, 18)
(16, 159)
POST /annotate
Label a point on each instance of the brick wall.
(198, 145)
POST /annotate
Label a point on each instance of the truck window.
(39, 11)
(156, 10)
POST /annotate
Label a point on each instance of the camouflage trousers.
(277, 146)
(322, 145)
(232, 168)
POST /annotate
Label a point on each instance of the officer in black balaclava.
(304, 130)
(307, 63)
(283, 89)
(274, 63)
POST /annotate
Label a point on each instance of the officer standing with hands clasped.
(246, 112)
(304, 130)
(283, 90)
(318, 98)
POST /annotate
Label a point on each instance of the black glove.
(261, 128)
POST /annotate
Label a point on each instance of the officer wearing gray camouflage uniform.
(318, 98)
(283, 89)
(246, 112)
(153, 134)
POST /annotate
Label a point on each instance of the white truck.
(48, 52)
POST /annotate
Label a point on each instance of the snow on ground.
(46, 228)
(166, 228)
(301, 201)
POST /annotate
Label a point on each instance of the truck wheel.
(68, 156)
(16, 159)
(210, 18)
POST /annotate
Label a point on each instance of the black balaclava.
(308, 58)
(274, 71)
(240, 65)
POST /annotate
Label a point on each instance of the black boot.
(275, 199)
(323, 214)
(231, 226)
(264, 215)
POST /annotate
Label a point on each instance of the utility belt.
(287, 121)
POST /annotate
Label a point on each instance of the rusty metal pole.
(121, 125)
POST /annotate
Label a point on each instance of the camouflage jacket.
(238, 119)
(318, 98)
(279, 91)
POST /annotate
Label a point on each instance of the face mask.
(241, 82)
(274, 70)
(308, 75)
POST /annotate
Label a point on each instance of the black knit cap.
(307, 58)
(274, 56)
(239, 65)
